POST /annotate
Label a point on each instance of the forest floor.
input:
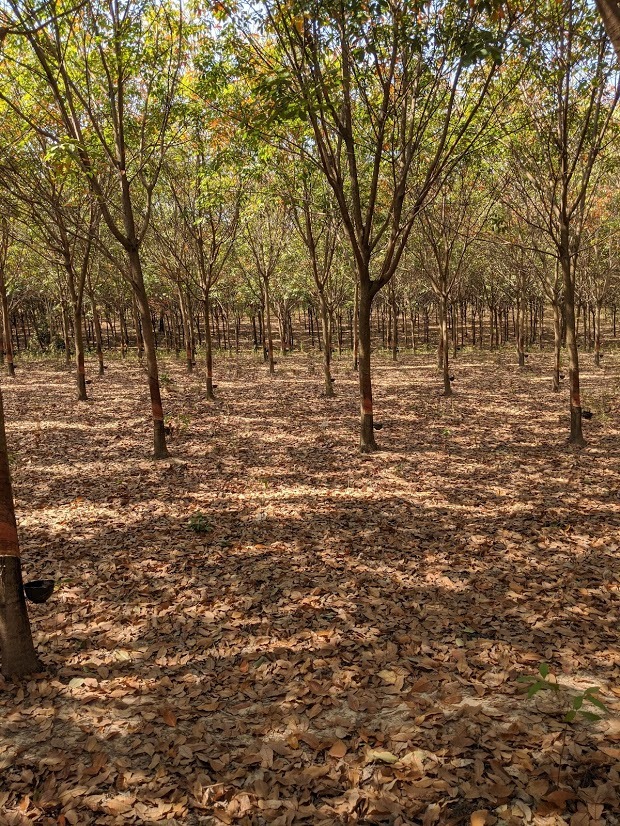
(270, 628)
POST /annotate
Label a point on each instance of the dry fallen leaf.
(338, 749)
(381, 755)
(169, 717)
(382, 605)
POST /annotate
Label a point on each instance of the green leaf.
(590, 715)
(598, 703)
(577, 702)
(543, 669)
(570, 716)
(536, 687)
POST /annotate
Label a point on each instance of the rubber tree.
(610, 15)
(319, 226)
(59, 214)
(568, 104)
(206, 189)
(110, 72)
(447, 229)
(265, 240)
(17, 652)
(599, 269)
(393, 96)
(5, 242)
(521, 244)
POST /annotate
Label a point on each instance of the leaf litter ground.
(271, 628)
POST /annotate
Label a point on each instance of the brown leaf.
(169, 717)
(338, 750)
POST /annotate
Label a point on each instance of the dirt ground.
(272, 628)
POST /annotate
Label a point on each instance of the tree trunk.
(520, 323)
(282, 330)
(136, 321)
(367, 433)
(187, 335)
(268, 334)
(327, 349)
(6, 323)
(576, 435)
(208, 346)
(557, 346)
(444, 348)
(98, 336)
(355, 329)
(66, 336)
(141, 301)
(454, 329)
(78, 335)
(394, 328)
(597, 336)
(16, 646)
(610, 12)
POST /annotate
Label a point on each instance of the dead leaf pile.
(271, 629)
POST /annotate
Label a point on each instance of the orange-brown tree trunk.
(160, 450)
(16, 646)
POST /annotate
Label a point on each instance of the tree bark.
(208, 346)
(597, 336)
(66, 336)
(394, 305)
(520, 322)
(327, 348)
(557, 345)
(268, 337)
(136, 320)
(78, 336)
(444, 347)
(137, 281)
(97, 325)
(16, 646)
(610, 12)
(576, 435)
(367, 433)
(187, 334)
(6, 323)
(355, 330)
